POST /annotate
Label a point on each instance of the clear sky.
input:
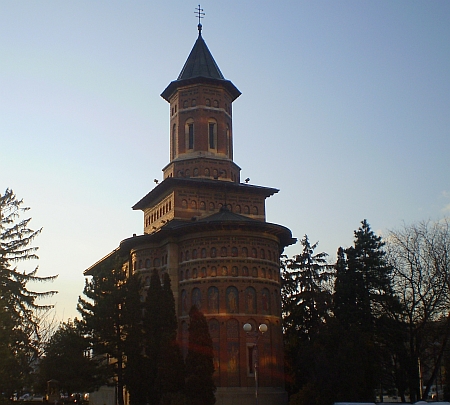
(345, 108)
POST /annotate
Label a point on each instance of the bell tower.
(201, 119)
(208, 231)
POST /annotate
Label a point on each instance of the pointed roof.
(200, 67)
(200, 63)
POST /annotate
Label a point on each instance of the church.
(207, 229)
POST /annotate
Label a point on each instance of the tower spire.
(200, 14)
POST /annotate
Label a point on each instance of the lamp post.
(256, 334)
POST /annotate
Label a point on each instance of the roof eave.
(174, 85)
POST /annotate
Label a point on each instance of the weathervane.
(200, 14)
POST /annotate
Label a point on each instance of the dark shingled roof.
(200, 63)
(200, 67)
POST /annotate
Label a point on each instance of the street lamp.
(256, 334)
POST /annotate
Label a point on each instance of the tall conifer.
(19, 310)
(200, 387)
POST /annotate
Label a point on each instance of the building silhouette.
(208, 231)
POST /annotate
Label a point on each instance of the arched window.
(196, 298)
(250, 300)
(186, 255)
(216, 103)
(193, 102)
(255, 210)
(237, 209)
(234, 271)
(194, 204)
(265, 301)
(223, 251)
(213, 271)
(263, 254)
(254, 253)
(212, 206)
(245, 271)
(202, 206)
(147, 263)
(194, 254)
(140, 264)
(246, 209)
(234, 251)
(212, 134)
(232, 300)
(213, 300)
(244, 252)
(189, 133)
(203, 253)
(185, 104)
(206, 172)
(184, 304)
(184, 204)
(208, 102)
(213, 252)
(224, 271)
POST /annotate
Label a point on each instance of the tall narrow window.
(212, 135)
(191, 136)
(174, 140)
(228, 136)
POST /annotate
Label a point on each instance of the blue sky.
(345, 108)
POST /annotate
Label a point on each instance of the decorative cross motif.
(200, 14)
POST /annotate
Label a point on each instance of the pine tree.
(363, 302)
(171, 373)
(153, 321)
(350, 303)
(134, 343)
(20, 313)
(306, 301)
(67, 359)
(200, 387)
(103, 316)
(369, 259)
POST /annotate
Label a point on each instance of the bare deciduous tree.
(419, 254)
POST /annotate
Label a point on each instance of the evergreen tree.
(306, 302)
(153, 331)
(200, 387)
(104, 318)
(306, 299)
(68, 360)
(171, 373)
(350, 303)
(369, 259)
(364, 306)
(134, 343)
(20, 313)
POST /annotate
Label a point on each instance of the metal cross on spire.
(200, 14)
